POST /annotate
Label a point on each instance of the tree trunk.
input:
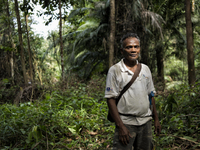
(12, 43)
(61, 41)
(7, 55)
(190, 47)
(144, 50)
(29, 50)
(112, 33)
(160, 66)
(38, 69)
(21, 42)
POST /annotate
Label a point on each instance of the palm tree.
(174, 37)
(126, 21)
(84, 45)
(87, 42)
(171, 12)
(137, 17)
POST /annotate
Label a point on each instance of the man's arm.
(123, 131)
(155, 117)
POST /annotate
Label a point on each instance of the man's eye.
(136, 46)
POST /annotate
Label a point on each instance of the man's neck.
(130, 64)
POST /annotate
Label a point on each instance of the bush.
(63, 120)
(180, 117)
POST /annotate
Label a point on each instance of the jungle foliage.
(41, 109)
(75, 118)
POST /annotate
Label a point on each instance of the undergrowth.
(179, 113)
(65, 119)
(75, 118)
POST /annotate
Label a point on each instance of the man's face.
(131, 49)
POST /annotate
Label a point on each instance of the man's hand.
(124, 135)
(157, 127)
(123, 131)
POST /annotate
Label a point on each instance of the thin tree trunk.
(38, 70)
(160, 66)
(21, 42)
(12, 43)
(112, 32)
(7, 64)
(190, 47)
(144, 50)
(5, 40)
(61, 41)
(29, 50)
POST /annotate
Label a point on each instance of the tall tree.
(11, 41)
(112, 32)
(21, 42)
(135, 16)
(61, 40)
(29, 48)
(173, 16)
(190, 44)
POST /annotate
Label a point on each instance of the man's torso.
(135, 100)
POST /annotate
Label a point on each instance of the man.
(131, 131)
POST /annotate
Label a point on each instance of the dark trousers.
(142, 138)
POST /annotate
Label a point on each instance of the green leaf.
(22, 130)
(72, 130)
(190, 138)
(47, 96)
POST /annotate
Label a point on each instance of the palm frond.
(88, 24)
(148, 31)
(100, 28)
(86, 62)
(136, 7)
(90, 68)
(101, 4)
(77, 12)
(70, 35)
(155, 19)
(81, 57)
(107, 3)
(83, 33)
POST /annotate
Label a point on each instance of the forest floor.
(72, 115)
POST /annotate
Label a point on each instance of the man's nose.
(133, 49)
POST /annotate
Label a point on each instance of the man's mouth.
(133, 55)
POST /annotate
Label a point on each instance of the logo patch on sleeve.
(108, 89)
(145, 76)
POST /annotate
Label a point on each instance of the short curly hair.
(134, 35)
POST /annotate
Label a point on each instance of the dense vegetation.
(52, 90)
(75, 118)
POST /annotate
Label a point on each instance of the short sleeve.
(112, 84)
(150, 85)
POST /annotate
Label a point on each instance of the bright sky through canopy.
(39, 27)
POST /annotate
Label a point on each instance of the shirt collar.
(124, 68)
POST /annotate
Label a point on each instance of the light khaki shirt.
(135, 100)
